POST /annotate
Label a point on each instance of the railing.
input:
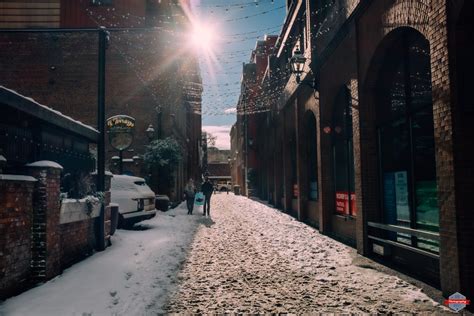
(413, 233)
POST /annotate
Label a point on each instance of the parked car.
(225, 186)
(135, 199)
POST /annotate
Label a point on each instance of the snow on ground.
(253, 258)
(134, 275)
(246, 258)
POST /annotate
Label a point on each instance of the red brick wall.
(82, 13)
(61, 70)
(16, 211)
(77, 241)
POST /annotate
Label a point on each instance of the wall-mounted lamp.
(297, 63)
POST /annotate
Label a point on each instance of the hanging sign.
(120, 129)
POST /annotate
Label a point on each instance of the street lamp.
(297, 63)
(150, 132)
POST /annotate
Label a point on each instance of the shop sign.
(342, 203)
(120, 129)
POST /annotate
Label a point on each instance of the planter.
(73, 210)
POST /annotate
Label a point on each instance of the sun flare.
(203, 37)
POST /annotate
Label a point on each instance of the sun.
(203, 37)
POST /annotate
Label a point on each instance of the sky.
(237, 25)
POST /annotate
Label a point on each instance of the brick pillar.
(278, 163)
(15, 239)
(46, 252)
(287, 147)
(302, 159)
(325, 168)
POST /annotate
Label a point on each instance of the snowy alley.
(246, 258)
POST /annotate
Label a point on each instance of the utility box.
(237, 189)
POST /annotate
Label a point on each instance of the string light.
(229, 57)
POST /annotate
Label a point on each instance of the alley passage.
(252, 258)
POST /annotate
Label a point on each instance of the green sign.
(120, 129)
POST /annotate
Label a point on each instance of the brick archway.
(367, 162)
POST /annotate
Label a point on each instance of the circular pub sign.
(120, 129)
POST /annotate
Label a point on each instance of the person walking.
(207, 188)
(189, 193)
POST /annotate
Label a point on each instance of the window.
(343, 155)
(406, 140)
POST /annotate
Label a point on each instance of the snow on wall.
(45, 164)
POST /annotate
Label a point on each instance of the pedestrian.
(189, 193)
(207, 188)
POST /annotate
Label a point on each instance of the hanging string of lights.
(215, 109)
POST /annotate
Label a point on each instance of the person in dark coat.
(207, 188)
(189, 193)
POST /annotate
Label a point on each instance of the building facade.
(251, 113)
(150, 75)
(371, 145)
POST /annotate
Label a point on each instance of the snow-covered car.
(226, 186)
(135, 199)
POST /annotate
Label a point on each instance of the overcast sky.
(239, 25)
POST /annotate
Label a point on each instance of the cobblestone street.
(252, 258)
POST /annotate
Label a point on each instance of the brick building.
(250, 109)
(49, 51)
(372, 145)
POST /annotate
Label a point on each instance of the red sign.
(342, 203)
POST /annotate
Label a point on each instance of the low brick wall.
(16, 210)
(77, 241)
(36, 243)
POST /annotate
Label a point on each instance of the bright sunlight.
(203, 38)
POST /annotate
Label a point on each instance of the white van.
(135, 199)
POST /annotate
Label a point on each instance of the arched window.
(406, 140)
(343, 154)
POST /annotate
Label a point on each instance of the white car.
(222, 187)
(135, 199)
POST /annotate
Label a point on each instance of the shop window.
(343, 155)
(406, 140)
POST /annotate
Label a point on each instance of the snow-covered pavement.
(133, 277)
(247, 257)
(252, 258)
